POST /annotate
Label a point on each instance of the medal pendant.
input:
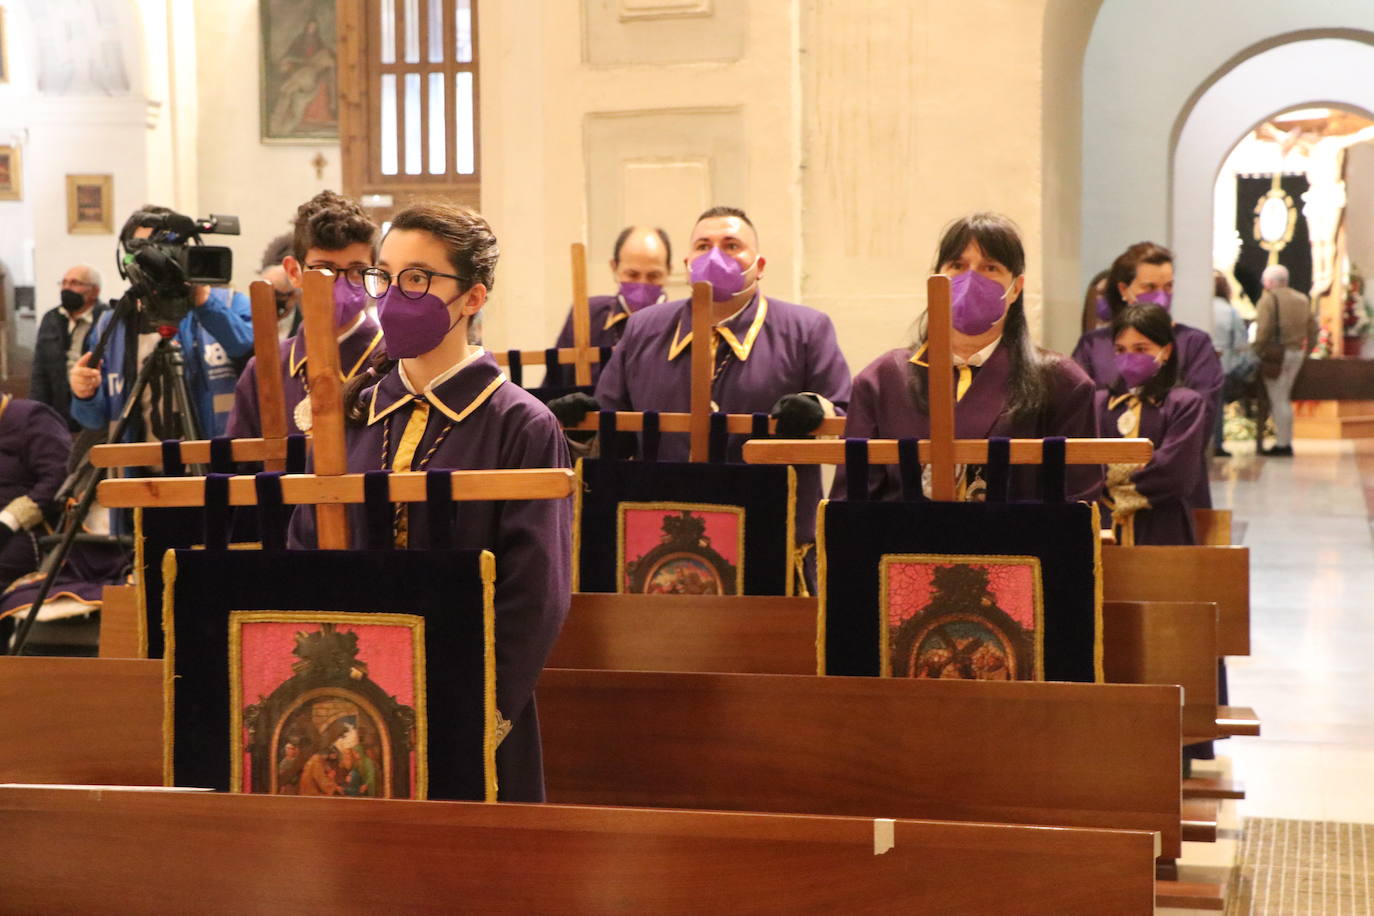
(1126, 424)
(302, 415)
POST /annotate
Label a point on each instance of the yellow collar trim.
(615, 317)
(5, 404)
(742, 350)
(297, 364)
(916, 357)
(457, 417)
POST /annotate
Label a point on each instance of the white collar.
(977, 359)
(444, 376)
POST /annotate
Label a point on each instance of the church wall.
(236, 173)
(1143, 64)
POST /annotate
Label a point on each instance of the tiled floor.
(1310, 675)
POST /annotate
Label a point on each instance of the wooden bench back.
(1166, 642)
(1213, 527)
(1217, 574)
(952, 750)
(70, 851)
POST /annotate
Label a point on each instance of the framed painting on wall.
(90, 199)
(299, 86)
(11, 179)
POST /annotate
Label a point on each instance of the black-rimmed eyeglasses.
(354, 275)
(413, 282)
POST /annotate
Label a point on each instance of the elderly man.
(1285, 330)
(640, 263)
(62, 340)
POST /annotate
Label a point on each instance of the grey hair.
(1274, 275)
(92, 275)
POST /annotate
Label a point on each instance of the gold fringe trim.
(1099, 673)
(140, 576)
(169, 579)
(491, 714)
(821, 586)
(793, 560)
(622, 508)
(578, 485)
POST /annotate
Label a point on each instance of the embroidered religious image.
(326, 705)
(964, 617)
(681, 549)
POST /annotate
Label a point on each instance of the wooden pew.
(956, 750)
(1166, 642)
(1214, 527)
(84, 850)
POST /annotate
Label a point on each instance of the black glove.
(572, 409)
(6, 532)
(798, 415)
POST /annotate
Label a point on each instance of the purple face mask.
(976, 302)
(349, 301)
(1160, 297)
(721, 271)
(1136, 368)
(639, 295)
(411, 327)
(1104, 309)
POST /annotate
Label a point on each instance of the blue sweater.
(210, 336)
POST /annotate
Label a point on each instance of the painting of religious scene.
(328, 706)
(299, 71)
(963, 617)
(681, 549)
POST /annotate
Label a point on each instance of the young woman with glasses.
(432, 401)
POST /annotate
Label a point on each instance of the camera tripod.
(165, 365)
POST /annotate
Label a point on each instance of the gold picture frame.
(90, 204)
(4, 50)
(11, 174)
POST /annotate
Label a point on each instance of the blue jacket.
(210, 336)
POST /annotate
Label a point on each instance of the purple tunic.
(608, 319)
(883, 407)
(35, 444)
(354, 351)
(1199, 368)
(793, 350)
(1177, 428)
(491, 424)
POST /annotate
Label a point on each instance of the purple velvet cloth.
(532, 539)
(1199, 368)
(883, 407)
(1177, 428)
(244, 421)
(795, 351)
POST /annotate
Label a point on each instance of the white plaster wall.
(235, 172)
(1129, 112)
(1289, 76)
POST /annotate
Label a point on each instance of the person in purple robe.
(1150, 504)
(35, 445)
(1005, 386)
(331, 233)
(1144, 273)
(770, 356)
(641, 262)
(432, 401)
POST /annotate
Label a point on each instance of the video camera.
(163, 265)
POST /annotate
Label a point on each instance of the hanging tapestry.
(977, 590)
(332, 673)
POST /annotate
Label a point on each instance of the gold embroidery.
(490, 739)
(821, 586)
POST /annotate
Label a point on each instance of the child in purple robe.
(432, 401)
(1004, 384)
(1144, 273)
(1150, 504)
(331, 233)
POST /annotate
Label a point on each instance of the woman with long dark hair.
(432, 401)
(1150, 504)
(1097, 311)
(1005, 385)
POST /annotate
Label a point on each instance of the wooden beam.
(582, 316)
(337, 491)
(326, 401)
(940, 388)
(267, 366)
(703, 366)
(193, 451)
(965, 451)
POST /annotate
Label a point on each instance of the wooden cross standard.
(942, 451)
(330, 488)
(581, 355)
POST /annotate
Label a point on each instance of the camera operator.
(216, 329)
(288, 296)
(62, 339)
